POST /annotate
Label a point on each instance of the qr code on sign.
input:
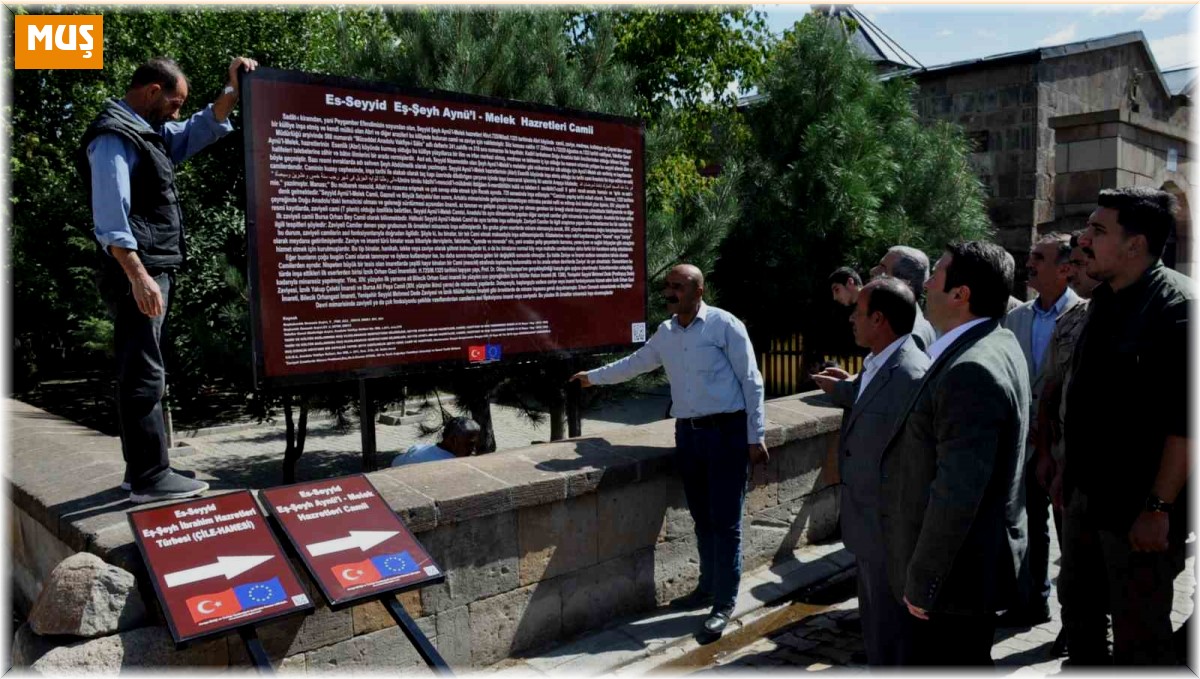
(299, 599)
(639, 332)
(431, 570)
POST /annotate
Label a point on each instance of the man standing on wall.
(873, 401)
(1033, 322)
(717, 402)
(127, 157)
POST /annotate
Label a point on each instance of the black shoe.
(1059, 648)
(692, 600)
(171, 486)
(1025, 617)
(715, 623)
(125, 485)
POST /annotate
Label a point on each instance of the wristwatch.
(229, 89)
(1155, 503)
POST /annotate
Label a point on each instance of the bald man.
(717, 403)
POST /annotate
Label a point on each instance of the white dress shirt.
(872, 364)
(710, 364)
(946, 340)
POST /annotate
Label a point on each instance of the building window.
(978, 141)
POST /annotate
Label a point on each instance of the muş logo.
(59, 41)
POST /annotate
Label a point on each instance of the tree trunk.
(481, 411)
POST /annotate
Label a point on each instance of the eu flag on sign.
(257, 594)
(493, 352)
(394, 564)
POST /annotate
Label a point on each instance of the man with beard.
(1127, 438)
(127, 158)
(717, 403)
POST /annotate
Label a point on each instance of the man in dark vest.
(127, 157)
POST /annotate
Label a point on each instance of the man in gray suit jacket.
(882, 320)
(953, 513)
(1033, 323)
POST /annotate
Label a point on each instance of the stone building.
(1052, 126)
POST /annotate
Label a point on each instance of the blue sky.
(939, 34)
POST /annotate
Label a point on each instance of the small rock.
(146, 647)
(86, 597)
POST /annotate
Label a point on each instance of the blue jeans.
(713, 464)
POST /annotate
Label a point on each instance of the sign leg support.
(367, 423)
(428, 653)
(574, 417)
(254, 647)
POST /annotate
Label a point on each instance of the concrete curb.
(648, 642)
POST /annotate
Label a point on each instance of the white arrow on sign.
(229, 566)
(363, 539)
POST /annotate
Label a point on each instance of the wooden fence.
(783, 369)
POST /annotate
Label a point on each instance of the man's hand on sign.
(759, 454)
(236, 65)
(582, 378)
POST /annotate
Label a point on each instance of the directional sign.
(216, 565)
(350, 540)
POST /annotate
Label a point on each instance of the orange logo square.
(59, 41)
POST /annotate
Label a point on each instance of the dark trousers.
(713, 464)
(141, 383)
(886, 623)
(947, 640)
(1102, 574)
(1033, 581)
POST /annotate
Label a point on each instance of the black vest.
(155, 216)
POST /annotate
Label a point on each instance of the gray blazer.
(1020, 322)
(953, 512)
(866, 426)
(923, 333)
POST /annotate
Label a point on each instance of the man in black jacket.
(127, 158)
(953, 513)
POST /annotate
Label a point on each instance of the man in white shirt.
(460, 437)
(883, 319)
(717, 403)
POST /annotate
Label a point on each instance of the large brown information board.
(216, 565)
(350, 540)
(390, 227)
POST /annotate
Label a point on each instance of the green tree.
(840, 169)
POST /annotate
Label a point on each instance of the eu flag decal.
(493, 352)
(390, 565)
(258, 594)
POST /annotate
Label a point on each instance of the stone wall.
(538, 544)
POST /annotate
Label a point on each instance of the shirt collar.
(701, 315)
(939, 347)
(877, 361)
(125, 105)
(1055, 311)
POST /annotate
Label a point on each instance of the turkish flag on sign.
(361, 573)
(218, 605)
(476, 353)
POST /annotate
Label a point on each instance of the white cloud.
(1153, 14)
(945, 33)
(1108, 9)
(1172, 50)
(1065, 35)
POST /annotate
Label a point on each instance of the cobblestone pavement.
(819, 643)
(251, 455)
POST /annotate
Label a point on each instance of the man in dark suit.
(882, 321)
(953, 512)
